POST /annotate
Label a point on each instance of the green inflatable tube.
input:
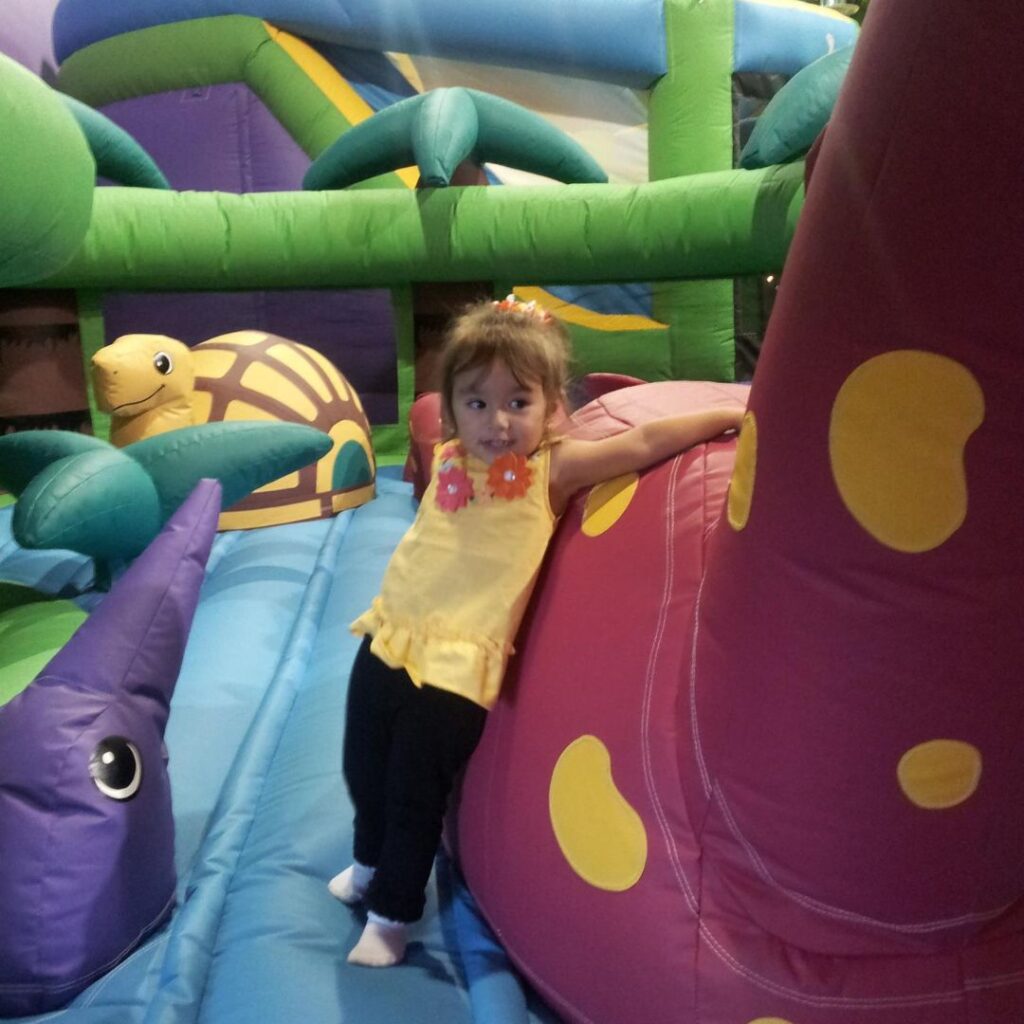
(705, 225)
(47, 186)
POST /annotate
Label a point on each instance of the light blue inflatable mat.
(262, 816)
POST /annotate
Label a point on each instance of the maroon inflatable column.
(859, 647)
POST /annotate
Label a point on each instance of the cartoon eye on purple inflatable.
(87, 843)
(116, 768)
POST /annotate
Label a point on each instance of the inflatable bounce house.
(765, 776)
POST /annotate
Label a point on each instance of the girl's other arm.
(576, 464)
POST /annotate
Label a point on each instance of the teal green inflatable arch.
(439, 129)
(118, 156)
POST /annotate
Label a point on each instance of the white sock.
(351, 884)
(382, 943)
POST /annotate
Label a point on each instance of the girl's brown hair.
(533, 345)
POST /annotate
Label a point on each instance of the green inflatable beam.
(118, 156)
(704, 225)
(439, 129)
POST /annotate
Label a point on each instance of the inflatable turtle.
(150, 384)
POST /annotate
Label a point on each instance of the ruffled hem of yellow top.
(471, 667)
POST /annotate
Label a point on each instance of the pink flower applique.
(454, 488)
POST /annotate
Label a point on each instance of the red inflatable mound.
(774, 776)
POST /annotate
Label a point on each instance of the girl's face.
(495, 414)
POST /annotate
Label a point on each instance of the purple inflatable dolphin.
(86, 832)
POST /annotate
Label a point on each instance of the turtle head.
(139, 372)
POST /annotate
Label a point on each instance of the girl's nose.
(501, 419)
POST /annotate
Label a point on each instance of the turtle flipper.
(25, 454)
(243, 455)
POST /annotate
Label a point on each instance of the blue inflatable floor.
(262, 816)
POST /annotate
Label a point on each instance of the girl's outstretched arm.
(576, 464)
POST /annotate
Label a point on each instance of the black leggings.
(404, 746)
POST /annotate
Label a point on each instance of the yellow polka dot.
(741, 486)
(606, 503)
(940, 773)
(599, 833)
(896, 441)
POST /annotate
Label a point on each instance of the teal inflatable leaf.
(242, 455)
(374, 146)
(83, 494)
(444, 134)
(118, 156)
(351, 467)
(27, 452)
(100, 503)
(797, 112)
(439, 129)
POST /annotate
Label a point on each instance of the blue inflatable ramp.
(262, 817)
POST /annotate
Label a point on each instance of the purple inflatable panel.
(214, 138)
(87, 844)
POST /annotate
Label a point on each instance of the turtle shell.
(251, 375)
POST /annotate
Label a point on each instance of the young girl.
(437, 638)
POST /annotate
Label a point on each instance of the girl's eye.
(475, 403)
(519, 403)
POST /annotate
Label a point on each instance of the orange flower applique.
(509, 476)
(454, 488)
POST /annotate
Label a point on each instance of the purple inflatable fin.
(87, 843)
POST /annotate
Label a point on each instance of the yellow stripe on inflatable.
(269, 516)
(570, 313)
(332, 84)
(803, 8)
(406, 67)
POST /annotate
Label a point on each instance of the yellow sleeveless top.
(458, 583)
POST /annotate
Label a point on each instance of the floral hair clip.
(510, 304)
